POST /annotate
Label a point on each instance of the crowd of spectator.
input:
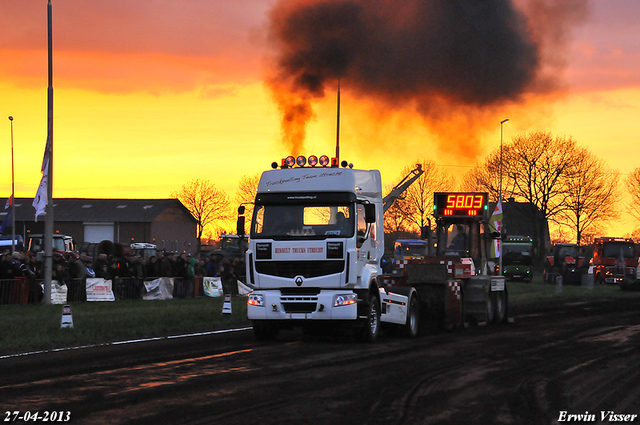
(127, 272)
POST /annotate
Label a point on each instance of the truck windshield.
(516, 253)
(453, 239)
(411, 249)
(615, 250)
(302, 221)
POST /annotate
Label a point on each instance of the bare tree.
(207, 204)
(395, 219)
(633, 186)
(417, 201)
(592, 194)
(246, 194)
(486, 178)
(537, 164)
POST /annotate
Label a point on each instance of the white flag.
(40, 201)
(495, 225)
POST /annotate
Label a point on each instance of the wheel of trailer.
(413, 318)
(500, 306)
(371, 326)
(490, 306)
(264, 331)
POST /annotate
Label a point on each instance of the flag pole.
(338, 126)
(48, 224)
(13, 196)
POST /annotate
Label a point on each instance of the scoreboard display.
(460, 204)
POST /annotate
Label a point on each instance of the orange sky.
(149, 95)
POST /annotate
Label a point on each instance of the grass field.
(37, 327)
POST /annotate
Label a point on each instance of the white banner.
(212, 286)
(58, 293)
(99, 289)
(159, 289)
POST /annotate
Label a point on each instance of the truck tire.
(490, 306)
(413, 318)
(500, 306)
(265, 331)
(371, 326)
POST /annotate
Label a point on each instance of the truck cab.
(517, 258)
(315, 246)
(614, 260)
(410, 249)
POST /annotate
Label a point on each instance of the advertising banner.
(212, 286)
(99, 289)
(159, 289)
(58, 293)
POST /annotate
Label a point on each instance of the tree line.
(572, 188)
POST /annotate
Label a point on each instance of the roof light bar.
(312, 161)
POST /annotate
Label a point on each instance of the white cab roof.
(318, 179)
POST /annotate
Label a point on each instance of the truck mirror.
(240, 226)
(370, 213)
(241, 210)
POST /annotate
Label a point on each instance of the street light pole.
(500, 195)
(501, 133)
(13, 196)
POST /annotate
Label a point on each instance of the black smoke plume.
(443, 56)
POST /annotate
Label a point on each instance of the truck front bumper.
(327, 305)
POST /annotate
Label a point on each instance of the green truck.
(517, 258)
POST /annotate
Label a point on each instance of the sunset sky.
(151, 94)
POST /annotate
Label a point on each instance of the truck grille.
(297, 307)
(306, 269)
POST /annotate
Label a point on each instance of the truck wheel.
(413, 318)
(264, 331)
(490, 307)
(371, 326)
(500, 304)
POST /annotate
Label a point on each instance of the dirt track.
(576, 357)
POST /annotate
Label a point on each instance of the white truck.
(315, 246)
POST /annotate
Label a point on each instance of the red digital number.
(451, 201)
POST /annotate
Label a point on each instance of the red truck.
(614, 260)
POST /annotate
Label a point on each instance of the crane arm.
(388, 200)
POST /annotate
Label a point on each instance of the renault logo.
(298, 280)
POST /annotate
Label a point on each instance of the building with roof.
(165, 222)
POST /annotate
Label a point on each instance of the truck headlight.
(344, 299)
(256, 300)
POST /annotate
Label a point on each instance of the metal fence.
(31, 291)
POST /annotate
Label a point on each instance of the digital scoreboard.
(460, 204)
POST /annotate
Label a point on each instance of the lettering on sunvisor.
(310, 250)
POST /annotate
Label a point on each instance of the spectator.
(78, 280)
(152, 267)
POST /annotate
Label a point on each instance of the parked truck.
(316, 244)
(517, 258)
(614, 260)
(564, 261)
(410, 249)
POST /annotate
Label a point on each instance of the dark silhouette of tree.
(246, 195)
(592, 194)
(416, 203)
(486, 178)
(633, 186)
(207, 204)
